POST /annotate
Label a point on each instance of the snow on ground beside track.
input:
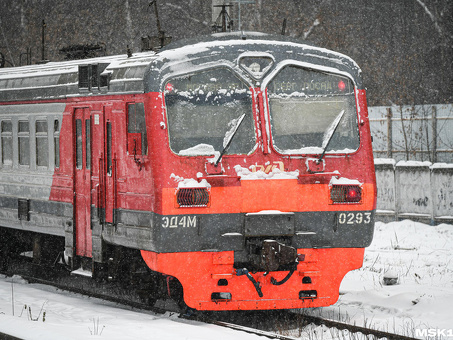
(421, 256)
(72, 316)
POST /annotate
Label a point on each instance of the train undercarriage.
(274, 274)
(42, 256)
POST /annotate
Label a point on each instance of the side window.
(7, 142)
(79, 150)
(24, 142)
(91, 77)
(136, 129)
(56, 141)
(42, 144)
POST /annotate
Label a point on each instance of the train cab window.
(42, 144)
(305, 106)
(136, 129)
(205, 109)
(7, 142)
(56, 141)
(24, 143)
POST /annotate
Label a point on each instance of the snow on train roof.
(146, 71)
(185, 48)
(227, 49)
(61, 79)
(52, 68)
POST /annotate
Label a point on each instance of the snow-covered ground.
(421, 256)
(73, 317)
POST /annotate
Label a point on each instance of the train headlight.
(346, 194)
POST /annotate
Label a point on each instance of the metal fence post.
(434, 125)
(389, 132)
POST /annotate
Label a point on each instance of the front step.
(82, 272)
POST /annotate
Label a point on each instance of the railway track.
(285, 321)
(263, 323)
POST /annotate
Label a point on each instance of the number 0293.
(354, 218)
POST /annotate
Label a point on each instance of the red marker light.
(341, 85)
(346, 194)
(169, 87)
(352, 193)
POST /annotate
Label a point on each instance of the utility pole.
(43, 44)
(284, 27)
(43, 36)
(159, 30)
(240, 2)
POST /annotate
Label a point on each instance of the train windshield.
(304, 106)
(204, 110)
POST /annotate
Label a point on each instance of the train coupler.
(275, 254)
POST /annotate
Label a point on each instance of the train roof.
(227, 49)
(119, 74)
(146, 71)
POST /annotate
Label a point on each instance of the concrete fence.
(420, 132)
(414, 190)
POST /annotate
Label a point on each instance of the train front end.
(263, 171)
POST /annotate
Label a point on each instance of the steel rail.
(355, 329)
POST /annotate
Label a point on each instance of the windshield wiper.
(329, 135)
(230, 139)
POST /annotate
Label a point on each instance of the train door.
(104, 166)
(82, 181)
